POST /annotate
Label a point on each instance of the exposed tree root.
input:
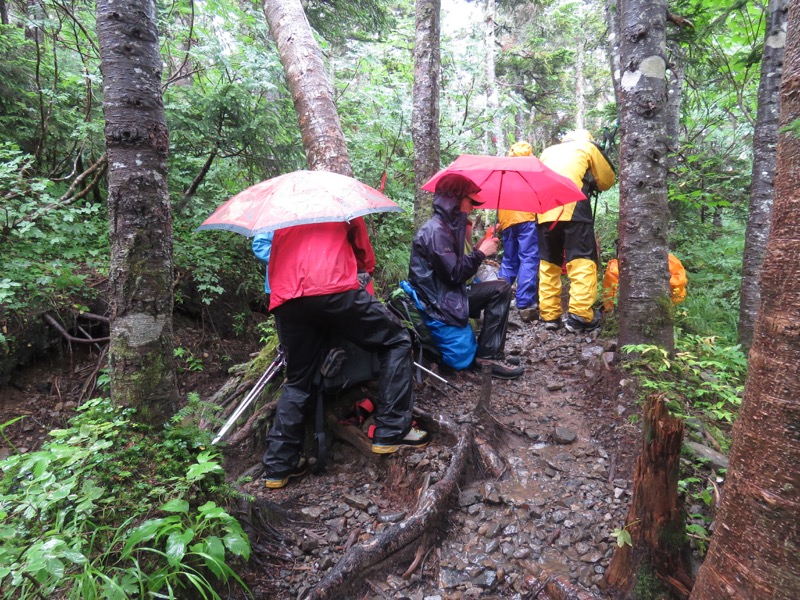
(433, 504)
(551, 587)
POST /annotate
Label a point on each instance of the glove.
(363, 279)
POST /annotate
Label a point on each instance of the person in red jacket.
(317, 274)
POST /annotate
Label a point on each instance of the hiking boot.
(576, 324)
(415, 438)
(529, 314)
(499, 370)
(274, 481)
(552, 325)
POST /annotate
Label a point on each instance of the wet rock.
(564, 435)
(359, 502)
(449, 578)
(486, 580)
(312, 512)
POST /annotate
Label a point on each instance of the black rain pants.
(493, 298)
(305, 327)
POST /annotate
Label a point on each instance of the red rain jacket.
(318, 259)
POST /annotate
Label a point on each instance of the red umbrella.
(298, 198)
(512, 182)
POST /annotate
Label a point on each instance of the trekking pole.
(439, 377)
(253, 394)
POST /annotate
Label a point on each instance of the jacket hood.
(448, 205)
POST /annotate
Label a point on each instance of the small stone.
(563, 435)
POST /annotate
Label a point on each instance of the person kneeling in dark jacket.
(439, 273)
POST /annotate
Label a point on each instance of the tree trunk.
(612, 22)
(655, 520)
(765, 139)
(754, 551)
(141, 349)
(323, 140)
(580, 85)
(3, 12)
(645, 308)
(425, 110)
(496, 142)
(674, 99)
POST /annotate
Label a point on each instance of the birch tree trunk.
(321, 130)
(425, 109)
(756, 544)
(765, 139)
(645, 309)
(141, 348)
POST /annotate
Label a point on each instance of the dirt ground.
(560, 438)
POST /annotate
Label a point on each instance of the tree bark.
(754, 551)
(765, 139)
(496, 142)
(645, 308)
(141, 349)
(655, 519)
(612, 22)
(323, 139)
(425, 109)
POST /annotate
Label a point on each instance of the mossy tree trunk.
(141, 349)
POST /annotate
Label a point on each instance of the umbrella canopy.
(297, 198)
(512, 182)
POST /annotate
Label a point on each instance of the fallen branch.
(434, 503)
(67, 336)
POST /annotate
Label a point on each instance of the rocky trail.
(545, 483)
(516, 497)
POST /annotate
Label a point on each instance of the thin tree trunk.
(425, 110)
(3, 12)
(141, 349)
(645, 308)
(323, 139)
(756, 544)
(496, 142)
(612, 22)
(765, 139)
(580, 85)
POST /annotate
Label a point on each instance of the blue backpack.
(456, 345)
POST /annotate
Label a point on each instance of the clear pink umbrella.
(298, 198)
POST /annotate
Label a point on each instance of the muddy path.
(546, 483)
(537, 503)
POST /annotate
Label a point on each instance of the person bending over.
(315, 295)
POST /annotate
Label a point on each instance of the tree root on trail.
(249, 428)
(364, 558)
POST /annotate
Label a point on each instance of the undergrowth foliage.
(109, 510)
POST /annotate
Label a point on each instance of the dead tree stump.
(655, 518)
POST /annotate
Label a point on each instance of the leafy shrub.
(77, 516)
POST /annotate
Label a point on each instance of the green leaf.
(238, 544)
(176, 506)
(176, 545)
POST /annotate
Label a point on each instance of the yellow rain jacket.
(677, 282)
(572, 158)
(508, 218)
